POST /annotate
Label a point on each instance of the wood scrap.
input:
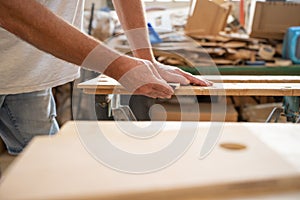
(231, 51)
(282, 62)
(253, 47)
(240, 54)
(249, 51)
(278, 48)
(215, 51)
(217, 38)
(171, 58)
(209, 44)
(230, 44)
(219, 61)
(234, 44)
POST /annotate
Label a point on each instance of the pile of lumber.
(242, 50)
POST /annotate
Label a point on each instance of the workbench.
(62, 166)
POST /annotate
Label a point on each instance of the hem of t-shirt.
(20, 89)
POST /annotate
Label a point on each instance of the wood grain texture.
(59, 167)
(232, 86)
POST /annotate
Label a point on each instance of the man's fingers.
(195, 80)
(155, 90)
(174, 74)
(165, 90)
(178, 78)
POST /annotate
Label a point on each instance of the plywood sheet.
(59, 167)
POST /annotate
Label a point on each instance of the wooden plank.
(222, 78)
(249, 86)
(59, 167)
(292, 70)
(253, 79)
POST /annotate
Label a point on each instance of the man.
(27, 74)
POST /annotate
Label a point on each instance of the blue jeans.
(23, 116)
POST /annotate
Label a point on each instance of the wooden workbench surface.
(59, 167)
(231, 86)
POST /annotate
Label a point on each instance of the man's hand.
(140, 77)
(176, 75)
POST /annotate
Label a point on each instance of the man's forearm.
(37, 25)
(132, 17)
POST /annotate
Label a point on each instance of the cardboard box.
(271, 19)
(207, 18)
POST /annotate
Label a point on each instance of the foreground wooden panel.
(232, 86)
(59, 167)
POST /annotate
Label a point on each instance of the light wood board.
(232, 86)
(253, 79)
(59, 167)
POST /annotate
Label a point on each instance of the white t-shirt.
(24, 68)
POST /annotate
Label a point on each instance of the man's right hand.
(139, 77)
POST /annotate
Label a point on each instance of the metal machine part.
(121, 112)
(290, 108)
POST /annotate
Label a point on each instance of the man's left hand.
(176, 75)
